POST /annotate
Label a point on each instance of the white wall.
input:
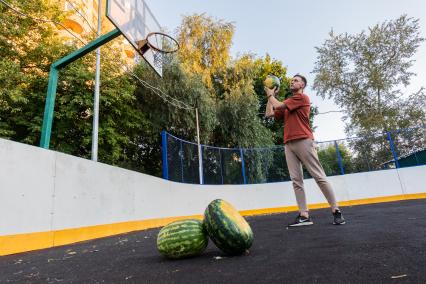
(42, 190)
(26, 188)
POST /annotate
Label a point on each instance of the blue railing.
(376, 151)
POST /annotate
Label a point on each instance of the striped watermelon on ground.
(182, 238)
(227, 228)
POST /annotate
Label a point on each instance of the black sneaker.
(338, 218)
(301, 221)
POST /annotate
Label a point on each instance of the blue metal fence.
(376, 151)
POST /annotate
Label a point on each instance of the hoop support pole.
(53, 82)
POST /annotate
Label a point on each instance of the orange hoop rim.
(151, 45)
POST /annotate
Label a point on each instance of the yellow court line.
(11, 244)
(342, 203)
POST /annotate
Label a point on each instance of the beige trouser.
(302, 151)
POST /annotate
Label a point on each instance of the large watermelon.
(271, 82)
(182, 238)
(227, 228)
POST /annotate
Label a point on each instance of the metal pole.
(96, 96)
(243, 168)
(164, 154)
(46, 128)
(221, 166)
(181, 161)
(200, 158)
(392, 147)
(53, 81)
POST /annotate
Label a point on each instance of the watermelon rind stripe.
(182, 238)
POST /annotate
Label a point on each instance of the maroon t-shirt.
(296, 118)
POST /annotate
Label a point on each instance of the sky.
(289, 31)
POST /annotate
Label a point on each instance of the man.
(300, 148)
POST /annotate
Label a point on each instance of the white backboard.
(135, 21)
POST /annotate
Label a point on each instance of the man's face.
(296, 84)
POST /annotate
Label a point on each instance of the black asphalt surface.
(381, 243)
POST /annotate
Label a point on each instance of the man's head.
(298, 83)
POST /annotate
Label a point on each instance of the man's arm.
(273, 104)
(269, 110)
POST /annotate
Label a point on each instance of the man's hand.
(270, 92)
(273, 103)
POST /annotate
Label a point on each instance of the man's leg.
(305, 150)
(296, 174)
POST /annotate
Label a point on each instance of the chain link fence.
(182, 161)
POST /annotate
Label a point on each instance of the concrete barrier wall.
(44, 191)
(27, 181)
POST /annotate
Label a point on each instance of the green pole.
(53, 82)
(49, 107)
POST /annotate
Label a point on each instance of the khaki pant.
(302, 151)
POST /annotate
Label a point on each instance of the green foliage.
(161, 111)
(268, 66)
(329, 160)
(28, 49)
(363, 73)
(205, 52)
(264, 67)
(239, 125)
(204, 46)
(132, 113)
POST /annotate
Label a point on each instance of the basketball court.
(384, 242)
(381, 243)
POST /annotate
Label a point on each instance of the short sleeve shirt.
(296, 118)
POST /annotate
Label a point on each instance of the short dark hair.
(303, 78)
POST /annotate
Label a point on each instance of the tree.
(264, 67)
(172, 109)
(240, 125)
(268, 66)
(28, 47)
(363, 74)
(204, 46)
(205, 52)
(330, 162)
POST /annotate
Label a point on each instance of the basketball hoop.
(159, 44)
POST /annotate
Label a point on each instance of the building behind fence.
(379, 151)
